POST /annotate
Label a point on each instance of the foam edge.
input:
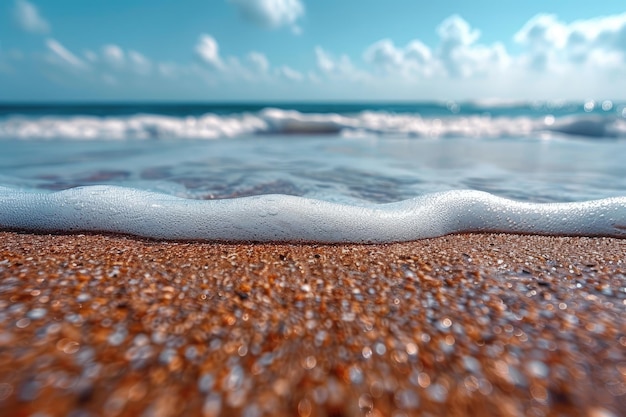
(282, 218)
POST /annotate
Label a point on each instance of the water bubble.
(309, 362)
(589, 105)
(437, 393)
(548, 120)
(453, 107)
(365, 402)
(366, 352)
(234, 379)
(37, 313)
(356, 375)
(22, 323)
(83, 297)
(304, 408)
(407, 399)
(537, 369)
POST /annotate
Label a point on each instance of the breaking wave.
(290, 122)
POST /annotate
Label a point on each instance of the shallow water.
(380, 169)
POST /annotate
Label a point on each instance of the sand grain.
(460, 325)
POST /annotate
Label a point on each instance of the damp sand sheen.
(365, 268)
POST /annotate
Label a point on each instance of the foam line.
(288, 218)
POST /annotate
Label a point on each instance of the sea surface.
(333, 172)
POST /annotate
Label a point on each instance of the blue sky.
(299, 50)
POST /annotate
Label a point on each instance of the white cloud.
(114, 56)
(414, 60)
(455, 31)
(576, 59)
(384, 55)
(556, 46)
(139, 63)
(208, 51)
(61, 55)
(112, 65)
(253, 67)
(272, 14)
(324, 61)
(90, 56)
(340, 68)
(542, 31)
(418, 52)
(457, 55)
(27, 16)
(561, 54)
(259, 62)
(290, 74)
(549, 46)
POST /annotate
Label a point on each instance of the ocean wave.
(287, 218)
(292, 122)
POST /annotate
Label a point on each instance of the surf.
(283, 218)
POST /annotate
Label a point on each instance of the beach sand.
(473, 324)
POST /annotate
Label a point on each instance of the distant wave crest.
(292, 122)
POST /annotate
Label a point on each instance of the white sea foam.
(288, 218)
(277, 121)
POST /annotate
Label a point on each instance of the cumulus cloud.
(113, 55)
(290, 73)
(61, 55)
(139, 63)
(455, 31)
(208, 51)
(414, 60)
(418, 53)
(553, 45)
(384, 54)
(28, 18)
(457, 54)
(110, 58)
(116, 58)
(253, 66)
(271, 14)
(90, 56)
(340, 68)
(549, 45)
(259, 62)
(560, 53)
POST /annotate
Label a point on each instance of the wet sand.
(477, 324)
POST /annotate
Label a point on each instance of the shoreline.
(467, 324)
